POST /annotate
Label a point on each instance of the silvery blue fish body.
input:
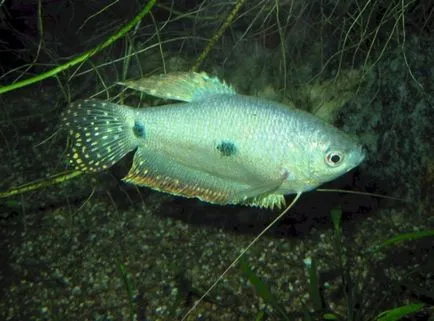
(218, 146)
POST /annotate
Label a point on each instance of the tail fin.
(101, 133)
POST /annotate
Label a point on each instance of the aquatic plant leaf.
(263, 290)
(398, 313)
(315, 294)
(329, 316)
(336, 215)
(401, 238)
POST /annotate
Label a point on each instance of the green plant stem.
(52, 180)
(218, 34)
(83, 56)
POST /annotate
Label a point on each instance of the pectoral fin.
(267, 201)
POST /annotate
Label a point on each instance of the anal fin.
(165, 174)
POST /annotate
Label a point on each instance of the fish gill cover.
(93, 247)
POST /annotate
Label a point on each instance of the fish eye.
(334, 158)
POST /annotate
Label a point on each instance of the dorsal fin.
(182, 86)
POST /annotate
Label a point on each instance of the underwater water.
(92, 247)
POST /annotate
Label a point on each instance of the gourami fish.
(217, 145)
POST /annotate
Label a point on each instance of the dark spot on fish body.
(139, 128)
(226, 148)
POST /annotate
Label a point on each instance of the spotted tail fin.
(100, 133)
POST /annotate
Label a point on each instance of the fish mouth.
(363, 151)
(358, 156)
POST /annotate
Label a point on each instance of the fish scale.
(218, 146)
